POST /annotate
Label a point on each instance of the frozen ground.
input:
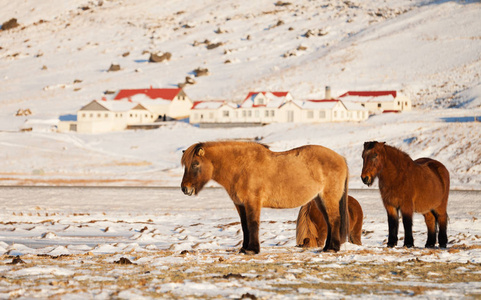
(70, 238)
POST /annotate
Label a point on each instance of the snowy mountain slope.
(57, 60)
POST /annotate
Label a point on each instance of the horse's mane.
(190, 152)
(398, 151)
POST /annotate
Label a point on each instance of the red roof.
(324, 100)
(369, 93)
(167, 94)
(277, 94)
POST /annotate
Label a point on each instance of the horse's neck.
(223, 162)
(394, 167)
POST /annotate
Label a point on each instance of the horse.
(311, 226)
(256, 177)
(408, 186)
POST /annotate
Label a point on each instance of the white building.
(212, 112)
(378, 101)
(108, 115)
(171, 103)
(276, 107)
(139, 108)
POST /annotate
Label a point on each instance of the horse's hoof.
(391, 245)
(430, 246)
(408, 245)
(248, 252)
(443, 246)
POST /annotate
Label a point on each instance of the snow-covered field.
(56, 61)
(71, 238)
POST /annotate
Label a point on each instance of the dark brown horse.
(408, 186)
(311, 226)
(255, 177)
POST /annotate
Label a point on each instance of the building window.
(379, 105)
(266, 113)
(99, 115)
(131, 115)
(310, 114)
(225, 113)
(257, 114)
(272, 113)
(335, 114)
(322, 114)
(406, 103)
(249, 113)
(83, 115)
(211, 115)
(106, 115)
(342, 115)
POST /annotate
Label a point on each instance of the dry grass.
(293, 273)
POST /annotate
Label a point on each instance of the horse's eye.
(195, 165)
(374, 156)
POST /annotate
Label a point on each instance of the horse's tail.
(306, 231)
(344, 212)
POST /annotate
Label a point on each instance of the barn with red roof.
(378, 101)
(170, 103)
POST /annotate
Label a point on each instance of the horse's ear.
(200, 152)
(369, 145)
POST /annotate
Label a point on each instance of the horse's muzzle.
(367, 180)
(187, 191)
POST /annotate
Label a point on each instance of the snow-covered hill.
(57, 60)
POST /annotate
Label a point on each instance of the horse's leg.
(442, 218)
(430, 220)
(245, 230)
(253, 215)
(333, 219)
(407, 215)
(393, 225)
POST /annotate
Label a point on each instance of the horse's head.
(371, 161)
(198, 169)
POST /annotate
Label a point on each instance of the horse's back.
(436, 168)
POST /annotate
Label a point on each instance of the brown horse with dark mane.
(311, 226)
(256, 177)
(408, 186)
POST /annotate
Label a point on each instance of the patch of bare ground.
(291, 272)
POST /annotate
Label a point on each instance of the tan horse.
(408, 186)
(255, 177)
(311, 226)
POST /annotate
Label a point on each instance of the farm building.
(276, 107)
(108, 115)
(378, 101)
(138, 108)
(172, 103)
